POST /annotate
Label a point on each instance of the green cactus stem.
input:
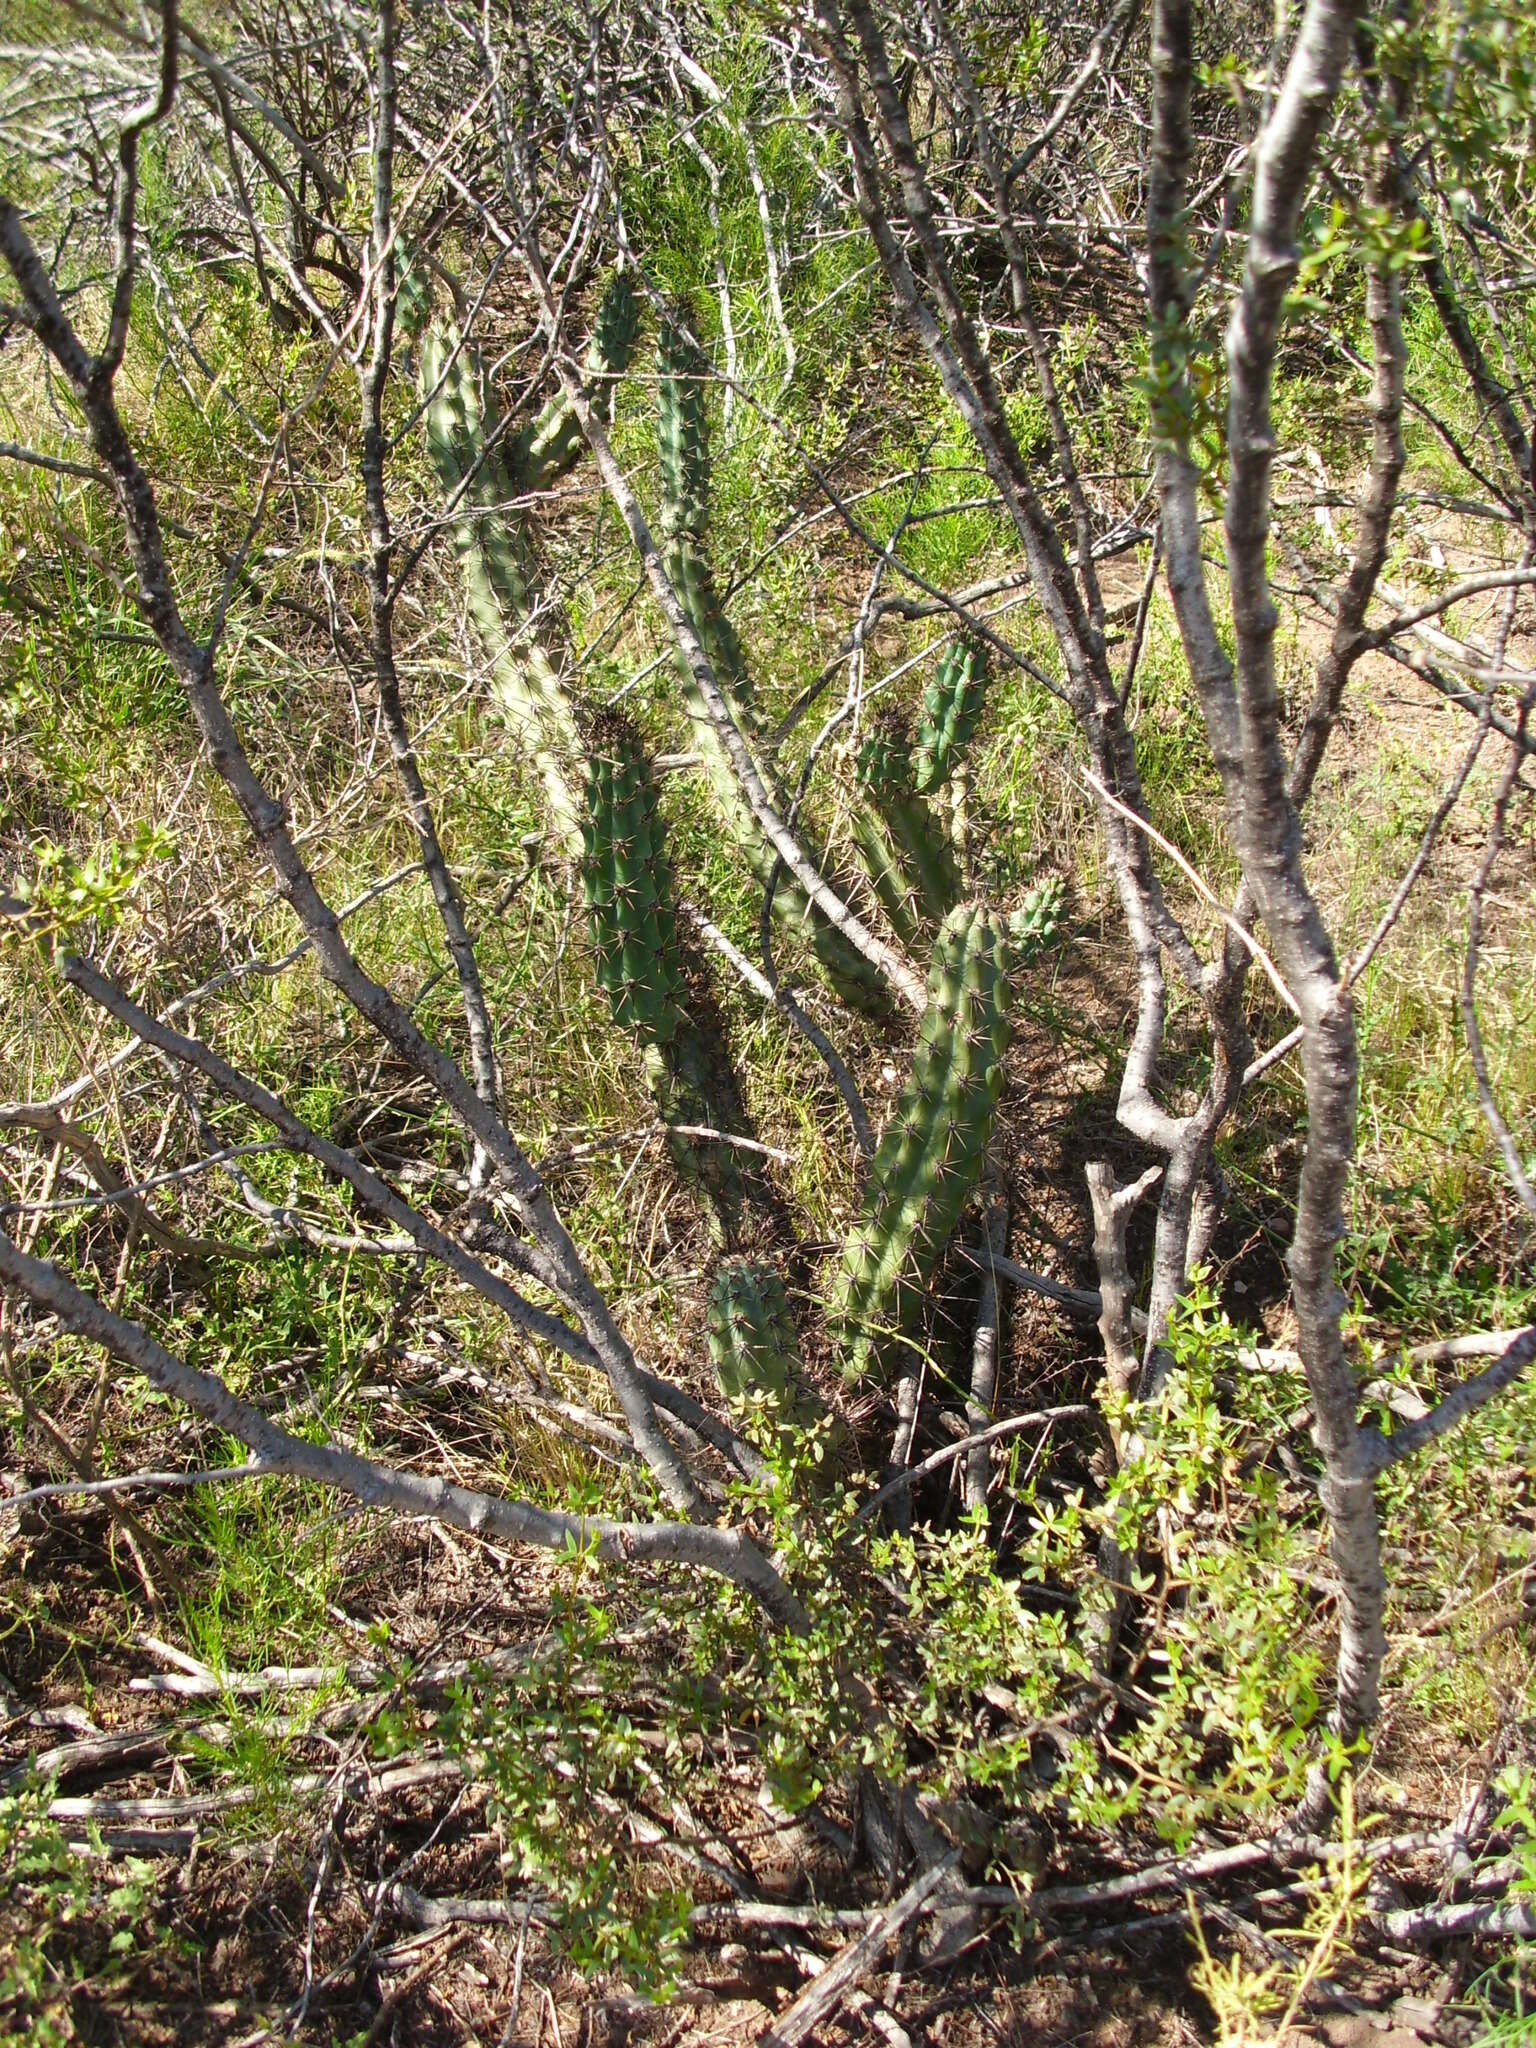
(461, 427)
(910, 862)
(598, 783)
(931, 1156)
(1036, 924)
(413, 292)
(753, 1345)
(627, 882)
(951, 707)
(551, 443)
(683, 446)
(631, 911)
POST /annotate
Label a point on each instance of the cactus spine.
(951, 707)
(909, 861)
(752, 1343)
(931, 1155)
(683, 444)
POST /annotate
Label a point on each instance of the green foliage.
(566, 1765)
(883, 1683)
(1261, 2004)
(1353, 236)
(1236, 1667)
(1184, 390)
(1472, 68)
(932, 1152)
(63, 892)
(61, 1927)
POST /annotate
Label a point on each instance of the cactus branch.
(883, 958)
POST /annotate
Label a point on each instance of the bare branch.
(1463, 1400)
(723, 1551)
(107, 364)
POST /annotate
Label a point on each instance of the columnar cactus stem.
(753, 1345)
(631, 908)
(908, 858)
(931, 1156)
(598, 783)
(683, 446)
(461, 430)
(627, 882)
(951, 707)
(550, 444)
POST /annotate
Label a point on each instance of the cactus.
(951, 707)
(931, 1156)
(413, 292)
(1036, 923)
(498, 570)
(552, 442)
(627, 882)
(909, 861)
(683, 446)
(598, 783)
(683, 443)
(752, 1342)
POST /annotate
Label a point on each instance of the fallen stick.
(1176, 1872)
(822, 1996)
(400, 1777)
(422, 1911)
(132, 1841)
(311, 1677)
(127, 1750)
(1504, 1919)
